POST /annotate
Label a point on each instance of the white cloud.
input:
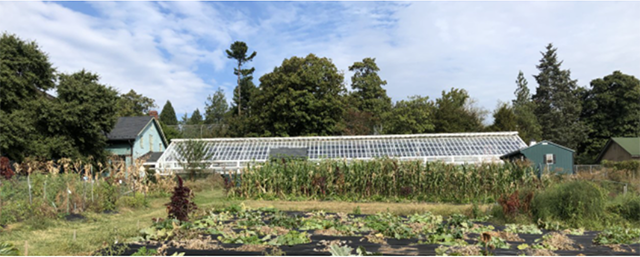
(175, 50)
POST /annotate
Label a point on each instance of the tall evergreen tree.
(368, 95)
(168, 114)
(611, 109)
(523, 108)
(558, 106)
(215, 108)
(196, 118)
(238, 51)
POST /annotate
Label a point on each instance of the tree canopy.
(303, 96)
(611, 109)
(411, 116)
(215, 108)
(168, 114)
(368, 96)
(523, 109)
(238, 51)
(558, 106)
(455, 113)
(134, 104)
(504, 118)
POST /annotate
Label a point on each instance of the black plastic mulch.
(398, 246)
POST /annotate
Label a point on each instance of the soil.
(74, 217)
(567, 245)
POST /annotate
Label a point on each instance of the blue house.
(136, 137)
(546, 156)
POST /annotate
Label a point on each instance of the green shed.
(547, 156)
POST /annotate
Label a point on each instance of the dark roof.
(288, 152)
(152, 156)
(128, 127)
(629, 144)
(519, 151)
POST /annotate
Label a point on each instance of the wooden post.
(74, 235)
(29, 184)
(26, 248)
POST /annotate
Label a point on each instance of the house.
(546, 157)
(620, 149)
(136, 137)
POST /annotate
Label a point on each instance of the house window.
(550, 158)
(141, 142)
(151, 143)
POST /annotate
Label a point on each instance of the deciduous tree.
(134, 104)
(611, 109)
(303, 96)
(412, 116)
(455, 112)
(368, 95)
(503, 118)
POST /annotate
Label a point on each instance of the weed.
(143, 251)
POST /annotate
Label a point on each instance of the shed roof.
(543, 142)
(152, 157)
(629, 144)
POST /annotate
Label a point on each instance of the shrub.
(627, 206)
(108, 192)
(181, 202)
(137, 200)
(575, 202)
(5, 168)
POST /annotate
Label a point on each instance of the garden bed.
(266, 231)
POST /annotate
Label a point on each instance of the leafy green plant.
(137, 200)
(337, 250)
(8, 249)
(293, 237)
(143, 251)
(577, 203)
(522, 229)
(618, 235)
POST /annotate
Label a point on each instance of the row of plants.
(56, 189)
(269, 228)
(383, 179)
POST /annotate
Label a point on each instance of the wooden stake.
(26, 248)
(74, 235)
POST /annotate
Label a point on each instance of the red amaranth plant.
(181, 202)
(5, 168)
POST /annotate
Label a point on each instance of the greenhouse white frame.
(236, 153)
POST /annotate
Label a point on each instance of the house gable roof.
(629, 144)
(543, 142)
(128, 128)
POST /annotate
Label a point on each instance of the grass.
(100, 230)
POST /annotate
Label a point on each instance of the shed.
(620, 149)
(546, 156)
(136, 137)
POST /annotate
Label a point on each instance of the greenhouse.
(236, 153)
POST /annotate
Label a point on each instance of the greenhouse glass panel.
(236, 153)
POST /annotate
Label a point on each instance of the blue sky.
(175, 50)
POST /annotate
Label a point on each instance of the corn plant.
(384, 179)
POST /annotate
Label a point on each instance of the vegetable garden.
(237, 230)
(384, 179)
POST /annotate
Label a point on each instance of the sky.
(175, 50)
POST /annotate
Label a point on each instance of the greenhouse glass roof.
(235, 153)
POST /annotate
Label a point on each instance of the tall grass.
(52, 189)
(384, 179)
